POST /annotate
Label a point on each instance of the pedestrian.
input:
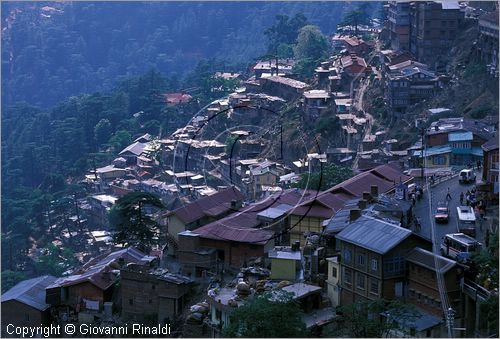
(448, 195)
(413, 199)
(461, 198)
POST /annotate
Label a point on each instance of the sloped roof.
(219, 231)
(491, 144)
(288, 82)
(92, 270)
(325, 204)
(373, 234)
(427, 259)
(211, 205)
(136, 148)
(30, 292)
(349, 60)
(247, 217)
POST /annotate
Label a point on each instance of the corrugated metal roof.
(30, 292)
(136, 148)
(460, 136)
(92, 270)
(373, 234)
(491, 144)
(428, 260)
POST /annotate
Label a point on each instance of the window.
(334, 272)
(360, 281)
(131, 301)
(374, 265)
(150, 301)
(361, 259)
(347, 255)
(373, 286)
(348, 276)
(153, 286)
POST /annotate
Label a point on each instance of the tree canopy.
(330, 176)
(356, 17)
(283, 34)
(271, 315)
(311, 43)
(130, 222)
(362, 319)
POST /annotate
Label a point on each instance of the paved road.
(437, 194)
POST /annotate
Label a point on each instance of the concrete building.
(433, 28)
(398, 18)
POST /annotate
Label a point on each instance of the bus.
(466, 220)
(459, 246)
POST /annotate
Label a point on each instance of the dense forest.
(53, 50)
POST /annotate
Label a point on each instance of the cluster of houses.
(236, 220)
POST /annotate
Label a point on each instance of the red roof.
(329, 202)
(247, 217)
(212, 205)
(177, 98)
(219, 231)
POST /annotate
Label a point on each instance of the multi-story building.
(373, 254)
(490, 166)
(433, 28)
(398, 18)
(488, 41)
(409, 83)
(152, 292)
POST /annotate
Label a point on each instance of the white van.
(459, 246)
(467, 176)
(466, 220)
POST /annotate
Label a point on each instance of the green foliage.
(102, 131)
(89, 46)
(330, 176)
(120, 140)
(328, 125)
(490, 308)
(272, 315)
(311, 44)
(232, 145)
(11, 278)
(283, 34)
(132, 225)
(305, 68)
(211, 87)
(485, 263)
(362, 319)
(55, 261)
(356, 17)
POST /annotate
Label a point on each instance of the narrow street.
(426, 208)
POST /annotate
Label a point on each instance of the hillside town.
(243, 216)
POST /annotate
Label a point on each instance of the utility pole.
(450, 321)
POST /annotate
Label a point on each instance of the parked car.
(467, 176)
(442, 214)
